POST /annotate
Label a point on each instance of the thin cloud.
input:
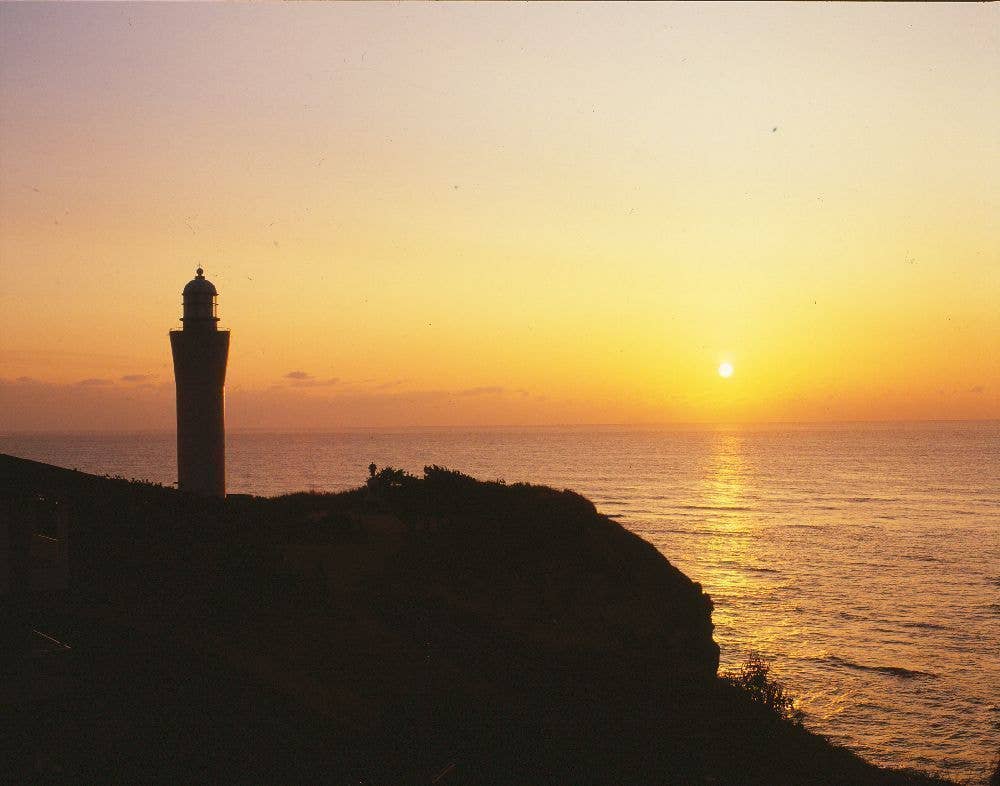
(489, 390)
(311, 382)
(138, 377)
(298, 375)
(90, 404)
(977, 389)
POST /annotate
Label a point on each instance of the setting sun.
(726, 370)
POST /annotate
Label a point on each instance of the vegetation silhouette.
(754, 678)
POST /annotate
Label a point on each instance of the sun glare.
(726, 370)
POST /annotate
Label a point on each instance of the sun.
(725, 370)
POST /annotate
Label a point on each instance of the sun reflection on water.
(723, 495)
(735, 568)
(724, 482)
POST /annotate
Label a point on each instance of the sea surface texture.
(863, 559)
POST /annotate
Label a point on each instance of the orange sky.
(502, 214)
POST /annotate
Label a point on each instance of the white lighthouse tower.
(200, 353)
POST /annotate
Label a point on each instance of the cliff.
(433, 630)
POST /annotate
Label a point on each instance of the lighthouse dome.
(200, 303)
(199, 285)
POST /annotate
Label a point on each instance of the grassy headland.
(416, 630)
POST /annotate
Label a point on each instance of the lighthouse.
(200, 352)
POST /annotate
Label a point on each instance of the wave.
(701, 532)
(892, 671)
(662, 497)
(732, 563)
(713, 507)
(928, 625)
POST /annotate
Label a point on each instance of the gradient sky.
(479, 214)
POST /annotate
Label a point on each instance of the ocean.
(863, 559)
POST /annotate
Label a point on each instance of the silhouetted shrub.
(754, 678)
(389, 478)
(994, 777)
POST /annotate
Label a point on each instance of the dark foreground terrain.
(434, 630)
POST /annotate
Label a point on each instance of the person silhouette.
(371, 469)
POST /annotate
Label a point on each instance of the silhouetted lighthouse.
(200, 354)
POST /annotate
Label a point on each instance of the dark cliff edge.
(433, 630)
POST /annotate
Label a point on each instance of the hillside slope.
(426, 630)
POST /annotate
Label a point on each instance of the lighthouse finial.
(200, 273)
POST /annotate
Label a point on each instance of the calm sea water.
(865, 560)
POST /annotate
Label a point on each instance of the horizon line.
(667, 425)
